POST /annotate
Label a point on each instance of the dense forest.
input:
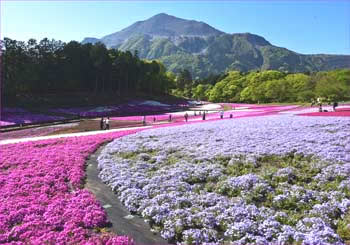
(49, 66)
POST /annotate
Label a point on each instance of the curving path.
(122, 223)
(12, 141)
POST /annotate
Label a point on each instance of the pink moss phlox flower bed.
(261, 107)
(42, 200)
(236, 114)
(273, 107)
(261, 110)
(258, 111)
(237, 105)
(5, 123)
(30, 132)
(149, 118)
(343, 112)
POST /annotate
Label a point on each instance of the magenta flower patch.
(42, 200)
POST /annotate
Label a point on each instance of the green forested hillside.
(203, 56)
(271, 86)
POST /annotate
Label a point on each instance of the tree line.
(51, 66)
(266, 86)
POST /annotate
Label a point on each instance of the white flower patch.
(204, 183)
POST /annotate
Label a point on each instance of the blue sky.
(307, 27)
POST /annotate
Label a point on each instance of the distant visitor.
(102, 123)
(319, 102)
(107, 123)
(335, 104)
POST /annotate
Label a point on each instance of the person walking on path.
(221, 114)
(203, 115)
(169, 117)
(107, 123)
(102, 123)
(312, 102)
(144, 120)
(319, 102)
(335, 104)
(186, 116)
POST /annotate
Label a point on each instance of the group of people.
(104, 123)
(319, 103)
(186, 115)
(203, 115)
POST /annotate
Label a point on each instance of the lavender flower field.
(274, 179)
(16, 116)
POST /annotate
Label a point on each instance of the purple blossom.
(172, 188)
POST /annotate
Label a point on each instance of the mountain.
(160, 25)
(202, 49)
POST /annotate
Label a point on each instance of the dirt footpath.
(122, 222)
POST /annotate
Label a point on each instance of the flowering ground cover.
(315, 109)
(16, 116)
(340, 112)
(274, 179)
(274, 108)
(131, 107)
(178, 116)
(237, 105)
(42, 200)
(252, 110)
(149, 118)
(247, 111)
(41, 131)
(260, 107)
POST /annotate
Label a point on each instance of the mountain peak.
(161, 25)
(162, 15)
